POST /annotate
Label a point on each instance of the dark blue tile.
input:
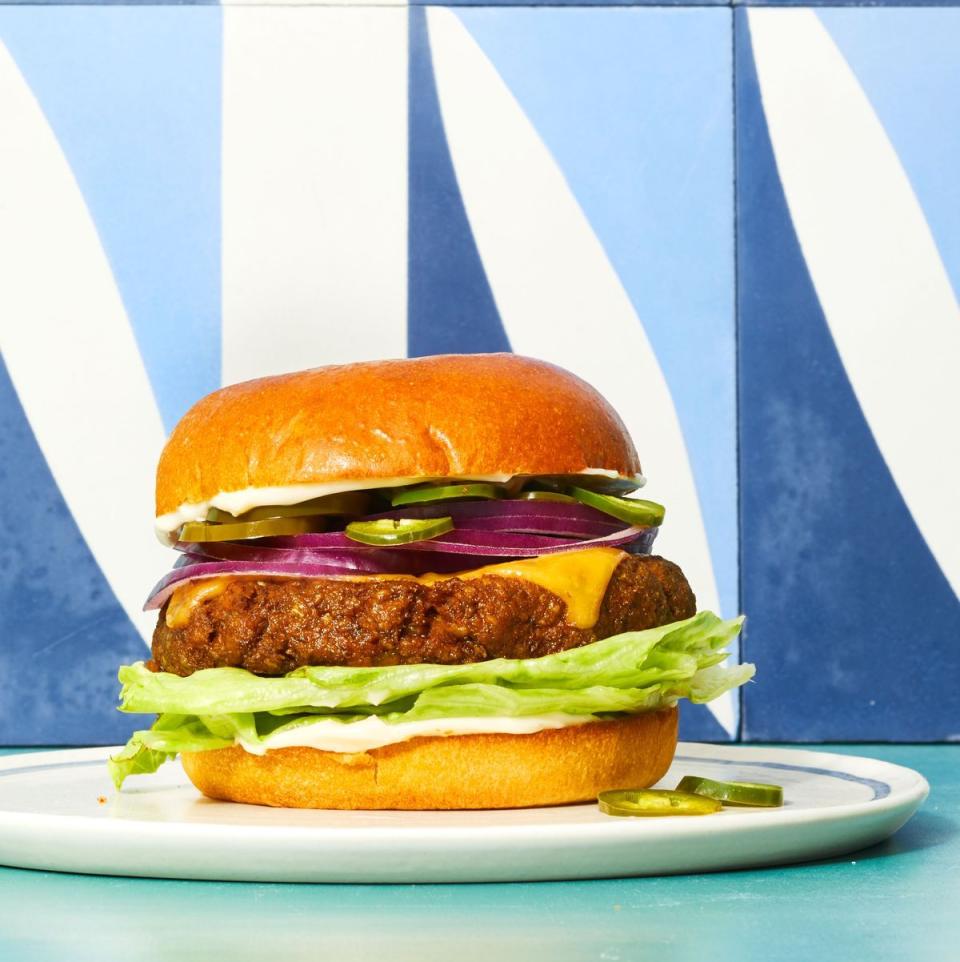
(846, 3)
(852, 624)
(64, 634)
(450, 307)
(697, 724)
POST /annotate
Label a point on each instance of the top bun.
(455, 415)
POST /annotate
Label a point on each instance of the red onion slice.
(518, 545)
(311, 562)
(191, 567)
(210, 569)
(485, 530)
(460, 541)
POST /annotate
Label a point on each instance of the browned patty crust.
(272, 626)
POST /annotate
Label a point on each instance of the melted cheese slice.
(185, 599)
(579, 578)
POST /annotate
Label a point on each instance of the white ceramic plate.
(58, 811)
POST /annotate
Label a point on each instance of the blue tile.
(910, 4)
(450, 307)
(635, 108)
(908, 62)
(133, 97)
(571, 3)
(852, 623)
(64, 634)
(108, 3)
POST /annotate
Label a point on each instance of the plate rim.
(909, 794)
(397, 850)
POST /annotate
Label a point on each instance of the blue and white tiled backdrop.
(751, 248)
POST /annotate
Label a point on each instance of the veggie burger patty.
(271, 626)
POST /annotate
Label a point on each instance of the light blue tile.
(571, 3)
(635, 107)
(908, 62)
(133, 98)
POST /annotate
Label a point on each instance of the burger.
(415, 584)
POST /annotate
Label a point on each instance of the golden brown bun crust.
(445, 416)
(551, 767)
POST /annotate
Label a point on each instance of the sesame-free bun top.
(455, 415)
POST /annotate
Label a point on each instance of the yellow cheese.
(186, 598)
(579, 578)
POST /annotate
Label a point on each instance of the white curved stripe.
(557, 293)
(71, 354)
(874, 263)
(314, 187)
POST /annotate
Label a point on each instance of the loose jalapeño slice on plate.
(655, 802)
(755, 794)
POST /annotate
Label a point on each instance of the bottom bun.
(551, 767)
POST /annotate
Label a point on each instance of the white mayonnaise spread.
(236, 502)
(335, 736)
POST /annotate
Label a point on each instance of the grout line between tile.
(736, 346)
(400, 4)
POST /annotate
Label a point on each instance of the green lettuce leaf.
(631, 660)
(170, 734)
(628, 673)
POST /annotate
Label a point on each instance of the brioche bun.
(432, 417)
(551, 767)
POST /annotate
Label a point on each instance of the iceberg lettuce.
(628, 673)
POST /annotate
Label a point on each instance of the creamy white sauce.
(236, 502)
(330, 735)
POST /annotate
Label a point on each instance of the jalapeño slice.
(631, 510)
(547, 496)
(754, 794)
(655, 801)
(348, 503)
(202, 531)
(444, 492)
(387, 531)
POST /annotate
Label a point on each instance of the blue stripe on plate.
(880, 789)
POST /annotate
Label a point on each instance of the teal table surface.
(897, 901)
